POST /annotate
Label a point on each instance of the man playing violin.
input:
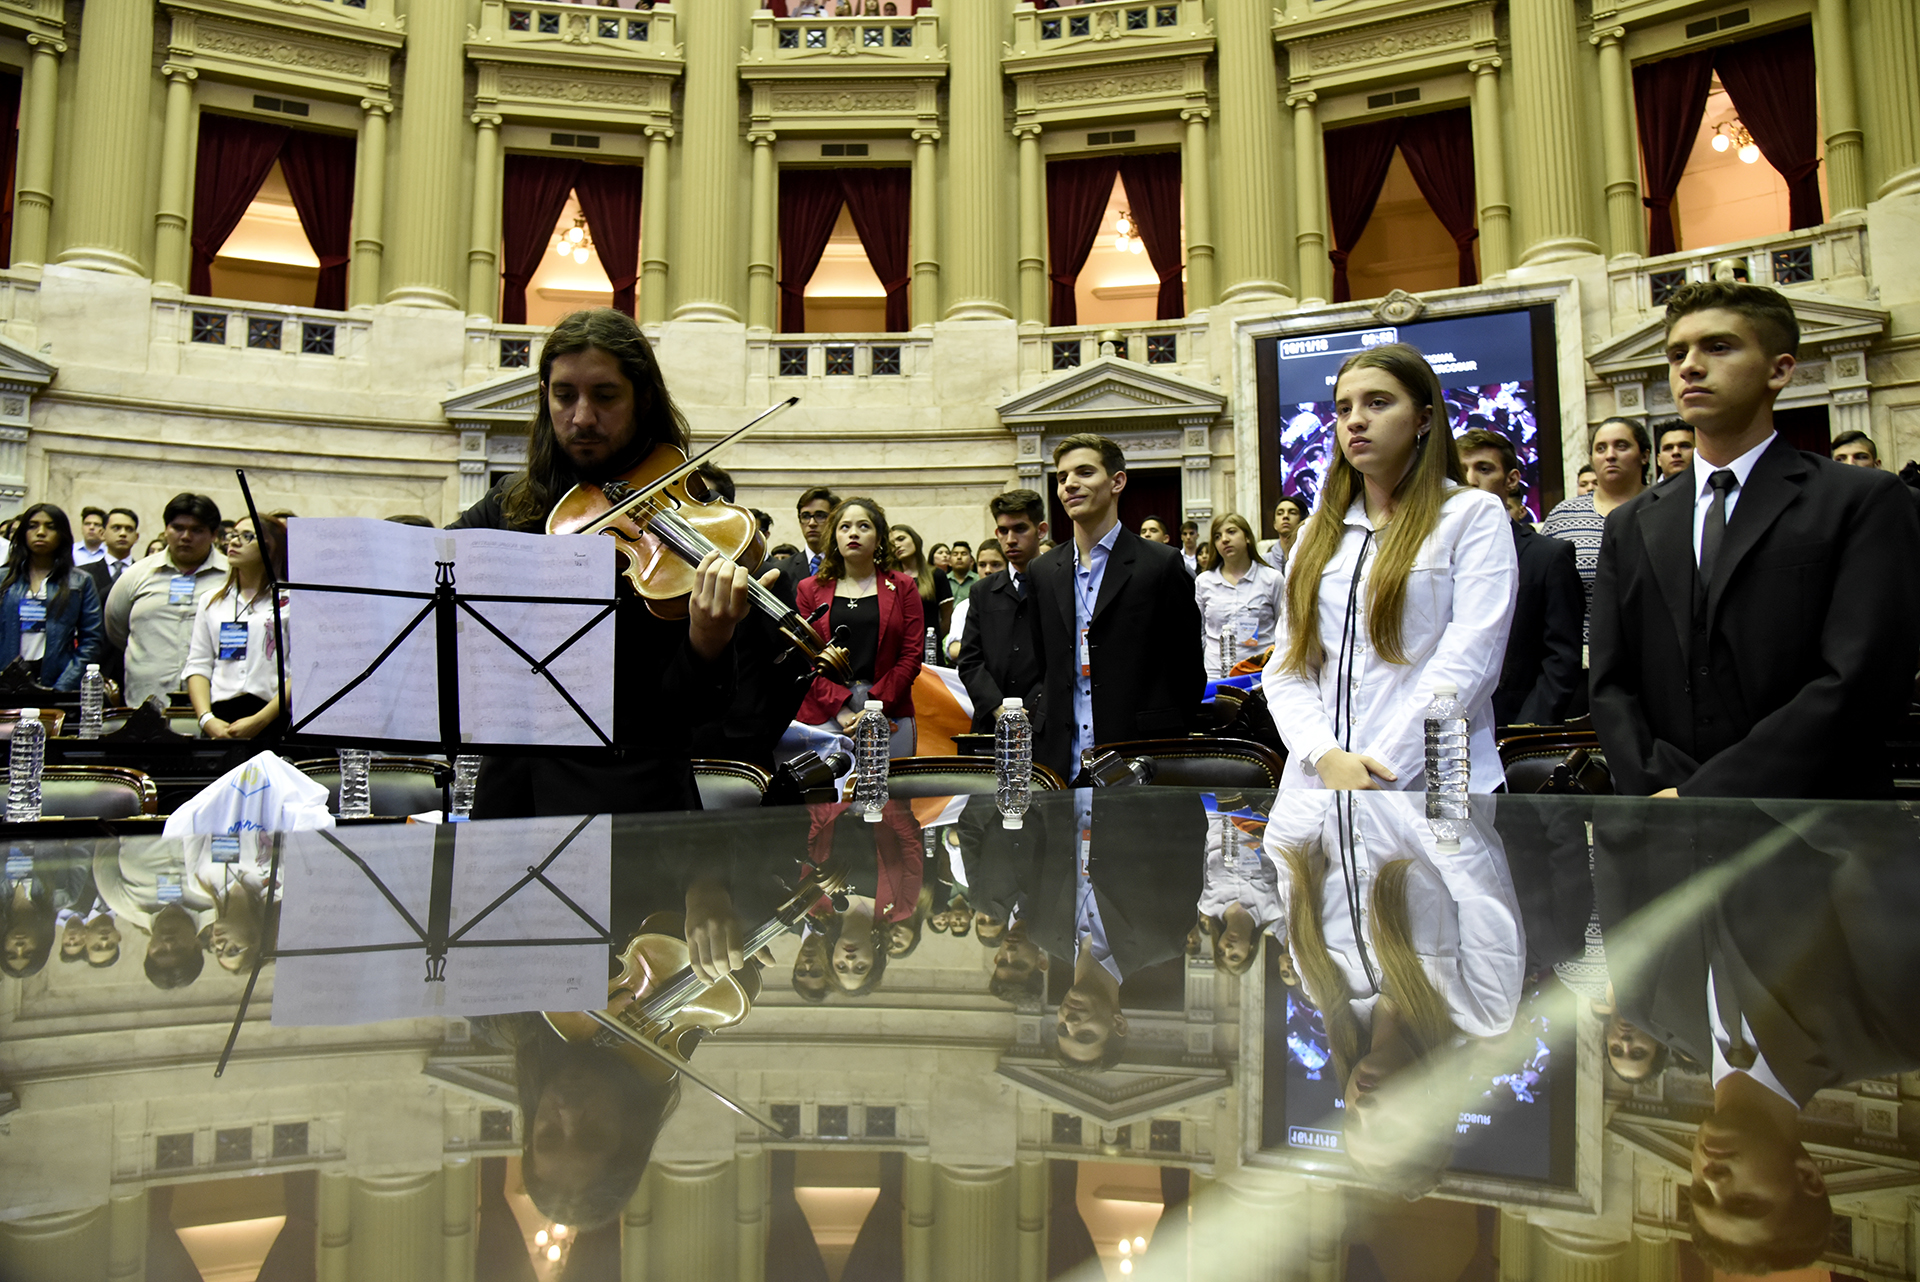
(604, 407)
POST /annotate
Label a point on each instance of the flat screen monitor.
(1496, 370)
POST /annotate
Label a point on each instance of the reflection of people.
(33, 895)
(1433, 953)
(1019, 967)
(146, 882)
(1240, 896)
(1402, 581)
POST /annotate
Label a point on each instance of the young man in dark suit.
(1755, 625)
(1114, 617)
(998, 657)
(1543, 649)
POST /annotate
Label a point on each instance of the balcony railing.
(853, 43)
(1174, 346)
(639, 32)
(1107, 28)
(864, 359)
(205, 324)
(1831, 258)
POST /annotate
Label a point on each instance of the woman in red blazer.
(885, 625)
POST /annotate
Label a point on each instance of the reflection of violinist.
(604, 407)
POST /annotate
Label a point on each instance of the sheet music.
(330, 903)
(502, 700)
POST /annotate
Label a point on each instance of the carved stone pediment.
(1826, 325)
(1848, 1171)
(1115, 392)
(507, 403)
(1119, 1095)
(21, 370)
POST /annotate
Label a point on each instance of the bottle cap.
(1447, 847)
(92, 668)
(871, 816)
(1445, 688)
(1012, 823)
(874, 705)
(1012, 705)
(29, 714)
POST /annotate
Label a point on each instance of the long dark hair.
(20, 561)
(833, 566)
(271, 534)
(656, 420)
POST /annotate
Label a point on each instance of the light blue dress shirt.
(1086, 595)
(1087, 926)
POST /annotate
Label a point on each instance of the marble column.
(694, 1207)
(483, 246)
(1034, 293)
(709, 186)
(636, 1232)
(33, 188)
(1326, 1222)
(1655, 1257)
(1256, 1215)
(1561, 1255)
(1315, 270)
(1626, 217)
(1196, 185)
(106, 207)
(333, 1208)
(398, 1222)
(424, 269)
(917, 1245)
(976, 255)
(1030, 1176)
(1546, 91)
(653, 227)
(369, 204)
(763, 203)
(973, 1212)
(171, 252)
(67, 1246)
(1893, 117)
(459, 1196)
(1516, 1247)
(1251, 248)
(923, 296)
(750, 1214)
(1839, 112)
(127, 1226)
(1490, 169)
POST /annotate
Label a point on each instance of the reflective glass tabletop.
(1146, 1032)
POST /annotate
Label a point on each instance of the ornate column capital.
(1190, 114)
(1485, 65)
(175, 71)
(661, 133)
(928, 134)
(1607, 35)
(1302, 98)
(376, 106)
(485, 119)
(762, 137)
(1026, 131)
(47, 44)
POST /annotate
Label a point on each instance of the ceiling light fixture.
(574, 242)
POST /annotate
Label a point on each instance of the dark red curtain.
(234, 159)
(9, 160)
(1771, 82)
(1357, 161)
(1439, 150)
(1153, 198)
(810, 201)
(319, 170)
(1077, 194)
(1669, 98)
(610, 198)
(880, 202)
(534, 193)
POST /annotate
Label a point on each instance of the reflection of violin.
(663, 529)
(657, 996)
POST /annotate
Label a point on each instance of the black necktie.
(1715, 533)
(1019, 586)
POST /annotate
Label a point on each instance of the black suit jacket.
(1145, 641)
(1789, 680)
(111, 656)
(999, 658)
(1543, 649)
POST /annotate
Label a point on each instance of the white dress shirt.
(1459, 608)
(1250, 607)
(1761, 1072)
(1703, 471)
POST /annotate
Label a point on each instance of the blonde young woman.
(1402, 581)
(1241, 593)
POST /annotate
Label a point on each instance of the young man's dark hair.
(961, 543)
(718, 479)
(198, 506)
(411, 518)
(762, 519)
(1852, 438)
(1480, 438)
(1111, 456)
(818, 493)
(100, 512)
(127, 512)
(1767, 310)
(1027, 503)
(1664, 430)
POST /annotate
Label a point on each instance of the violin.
(657, 996)
(663, 529)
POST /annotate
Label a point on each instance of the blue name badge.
(33, 614)
(233, 641)
(226, 849)
(180, 590)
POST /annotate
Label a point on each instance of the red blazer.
(899, 858)
(897, 659)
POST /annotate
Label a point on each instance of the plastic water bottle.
(29, 754)
(1229, 643)
(871, 741)
(466, 776)
(1013, 763)
(1448, 770)
(933, 648)
(356, 792)
(93, 702)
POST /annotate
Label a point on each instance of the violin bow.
(634, 500)
(686, 1067)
